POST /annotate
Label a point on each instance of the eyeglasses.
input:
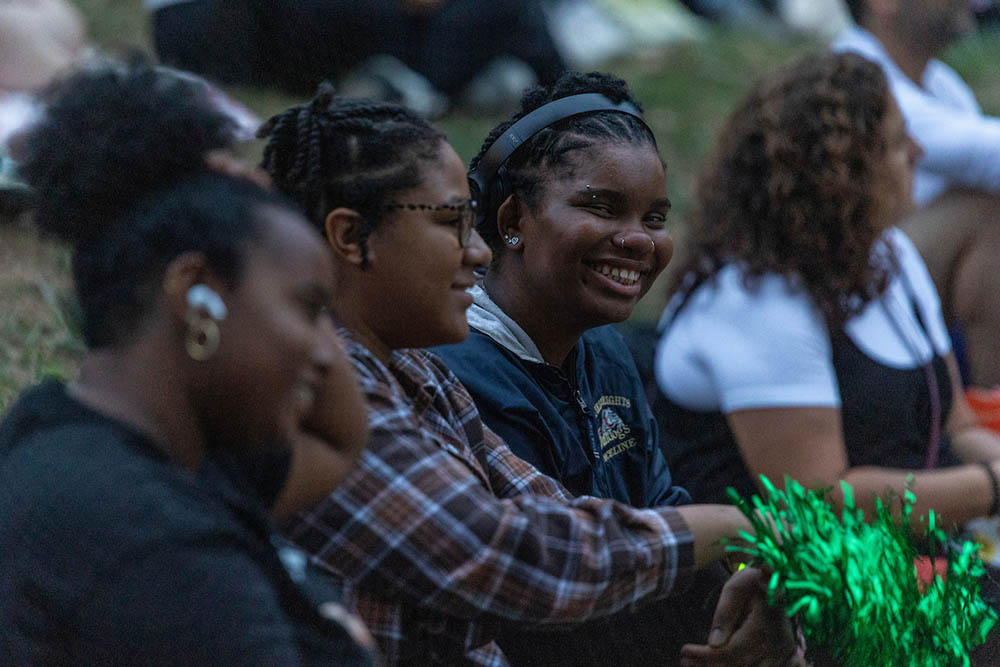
(466, 219)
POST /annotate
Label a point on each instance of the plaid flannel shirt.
(441, 532)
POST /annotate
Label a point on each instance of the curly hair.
(794, 186)
(335, 151)
(109, 135)
(118, 166)
(533, 163)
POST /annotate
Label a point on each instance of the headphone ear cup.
(499, 189)
(498, 193)
(481, 202)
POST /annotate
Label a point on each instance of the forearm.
(709, 526)
(975, 444)
(414, 522)
(955, 494)
(316, 469)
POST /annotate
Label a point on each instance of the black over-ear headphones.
(488, 183)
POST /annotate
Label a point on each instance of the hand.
(330, 437)
(339, 416)
(746, 630)
(225, 162)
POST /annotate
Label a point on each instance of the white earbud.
(203, 296)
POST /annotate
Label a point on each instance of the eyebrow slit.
(602, 193)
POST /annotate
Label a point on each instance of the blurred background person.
(422, 53)
(38, 38)
(957, 181)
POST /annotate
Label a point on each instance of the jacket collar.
(487, 317)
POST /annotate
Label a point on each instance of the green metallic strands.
(853, 585)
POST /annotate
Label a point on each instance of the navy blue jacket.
(594, 432)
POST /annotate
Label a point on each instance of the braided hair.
(355, 153)
(118, 166)
(533, 161)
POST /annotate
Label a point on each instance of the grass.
(687, 89)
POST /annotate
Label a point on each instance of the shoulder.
(730, 306)
(606, 347)
(912, 266)
(735, 346)
(93, 481)
(484, 365)
(82, 505)
(944, 83)
(477, 351)
(65, 464)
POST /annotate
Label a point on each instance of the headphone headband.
(488, 170)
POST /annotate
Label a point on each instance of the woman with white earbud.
(135, 500)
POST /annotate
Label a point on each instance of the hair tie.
(995, 505)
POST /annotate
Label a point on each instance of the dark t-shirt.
(112, 554)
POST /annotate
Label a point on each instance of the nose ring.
(652, 244)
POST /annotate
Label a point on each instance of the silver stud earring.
(513, 240)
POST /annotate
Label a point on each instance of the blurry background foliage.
(687, 89)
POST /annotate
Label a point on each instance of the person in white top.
(806, 338)
(38, 39)
(957, 181)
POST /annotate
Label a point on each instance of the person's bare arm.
(970, 441)
(709, 526)
(807, 445)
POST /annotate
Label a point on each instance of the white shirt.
(961, 145)
(733, 348)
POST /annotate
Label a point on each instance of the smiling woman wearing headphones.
(574, 206)
(573, 202)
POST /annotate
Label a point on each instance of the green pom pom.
(853, 583)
